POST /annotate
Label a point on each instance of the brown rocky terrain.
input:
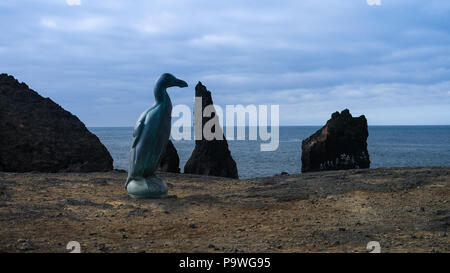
(404, 209)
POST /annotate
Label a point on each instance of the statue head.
(168, 80)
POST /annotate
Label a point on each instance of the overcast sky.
(99, 59)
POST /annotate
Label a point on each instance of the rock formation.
(340, 144)
(210, 157)
(170, 161)
(36, 134)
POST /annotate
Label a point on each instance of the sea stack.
(210, 157)
(36, 134)
(170, 161)
(339, 145)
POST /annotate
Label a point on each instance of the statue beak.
(180, 83)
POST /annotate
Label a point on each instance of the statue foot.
(152, 187)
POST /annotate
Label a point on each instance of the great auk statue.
(150, 137)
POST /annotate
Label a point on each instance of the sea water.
(389, 146)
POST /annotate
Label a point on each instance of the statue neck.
(161, 95)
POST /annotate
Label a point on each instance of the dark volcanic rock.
(37, 134)
(339, 145)
(170, 161)
(210, 157)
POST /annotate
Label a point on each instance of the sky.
(99, 59)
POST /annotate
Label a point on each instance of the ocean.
(389, 146)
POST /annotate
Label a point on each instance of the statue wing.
(138, 128)
(151, 140)
(137, 131)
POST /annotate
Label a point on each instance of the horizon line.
(290, 125)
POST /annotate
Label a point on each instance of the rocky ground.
(404, 209)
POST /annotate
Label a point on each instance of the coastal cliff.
(209, 157)
(36, 134)
(170, 161)
(340, 144)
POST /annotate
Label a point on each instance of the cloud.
(49, 23)
(374, 2)
(311, 57)
(73, 2)
(219, 40)
(86, 24)
(154, 23)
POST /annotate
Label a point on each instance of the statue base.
(152, 187)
